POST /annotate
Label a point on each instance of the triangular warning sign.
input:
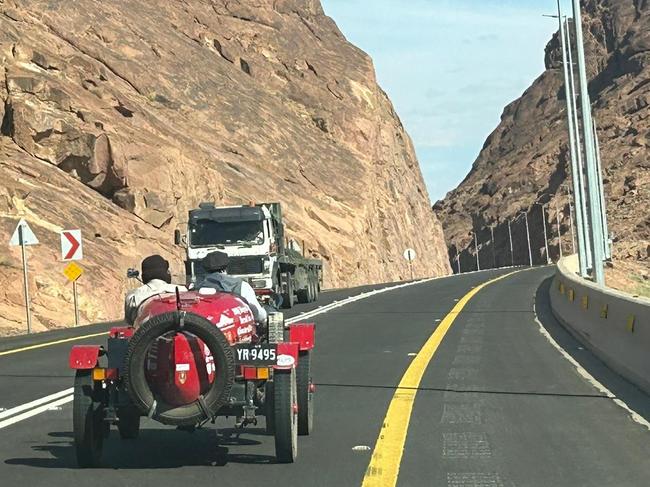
(28, 236)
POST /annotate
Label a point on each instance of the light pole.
(548, 258)
(458, 260)
(574, 143)
(530, 252)
(559, 229)
(595, 219)
(512, 254)
(601, 190)
(582, 219)
(478, 262)
(573, 234)
(494, 252)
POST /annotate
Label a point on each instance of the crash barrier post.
(614, 325)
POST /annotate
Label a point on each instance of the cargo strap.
(152, 410)
(181, 320)
(203, 407)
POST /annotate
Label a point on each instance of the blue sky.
(450, 67)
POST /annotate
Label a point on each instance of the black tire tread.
(286, 435)
(305, 398)
(139, 390)
(87, 421)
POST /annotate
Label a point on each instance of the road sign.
(410, 255)
(72, 271)
(28, 236)
(71, 246)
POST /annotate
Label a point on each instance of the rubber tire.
(316, 288)
(288, 297)
(305, 397)
(314, 292)
(128, 423)
(304, 295)
(286, 420)
(140, 391)
(269, 407)
(87, 421)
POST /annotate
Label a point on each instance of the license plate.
(261, 354)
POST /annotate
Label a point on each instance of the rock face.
(117, 117)
(525, 162)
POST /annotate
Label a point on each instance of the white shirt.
(248, 293)
(137, 296)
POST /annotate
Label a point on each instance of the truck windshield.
(205, 233)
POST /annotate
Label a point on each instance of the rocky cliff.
(525, 162)
(117, 117)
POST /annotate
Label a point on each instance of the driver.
(156, 279)
(216, 263)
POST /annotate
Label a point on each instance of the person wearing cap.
(216, 263)
(156, 279)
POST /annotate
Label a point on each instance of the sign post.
(71, 250)
(410, 255)
(72, 271)
(23, 236)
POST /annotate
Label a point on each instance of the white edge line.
(34, 412)
(10, 412)
(590, 378)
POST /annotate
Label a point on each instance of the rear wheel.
(304, 295)
(87, 420)
(286, 415)
(314, 289)
(288, 297)
(305, 394)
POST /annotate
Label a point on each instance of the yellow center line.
(49, 344)
(387, 455)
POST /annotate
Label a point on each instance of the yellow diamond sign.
(72, 271)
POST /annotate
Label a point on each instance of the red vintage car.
(190, 358)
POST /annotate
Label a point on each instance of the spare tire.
(139, 389)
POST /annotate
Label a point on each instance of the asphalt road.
(498, 404)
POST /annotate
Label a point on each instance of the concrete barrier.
(612, 324)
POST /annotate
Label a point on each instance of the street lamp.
(530, 251)
(592, 174)
(478, 262)
(512, 254)
(548, 257)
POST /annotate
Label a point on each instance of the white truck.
(253, 237)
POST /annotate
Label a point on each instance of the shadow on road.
(154, 449)
(627, 392)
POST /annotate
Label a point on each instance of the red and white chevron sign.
(71, 246)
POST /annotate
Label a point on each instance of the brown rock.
(152, 107)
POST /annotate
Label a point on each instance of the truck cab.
(250, 235)
(253, 237)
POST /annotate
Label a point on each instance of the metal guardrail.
(612, 324)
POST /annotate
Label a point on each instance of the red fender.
(287, 356)
(302, 334)
(84, 356)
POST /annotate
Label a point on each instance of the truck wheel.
(87, 420)
(288, 297)
(314, 289)
(305, 395)
(304, 295)
(269, 407)
(285, 396)
(128, 423)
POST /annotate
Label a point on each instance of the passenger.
(216, 263)
(156, 279)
